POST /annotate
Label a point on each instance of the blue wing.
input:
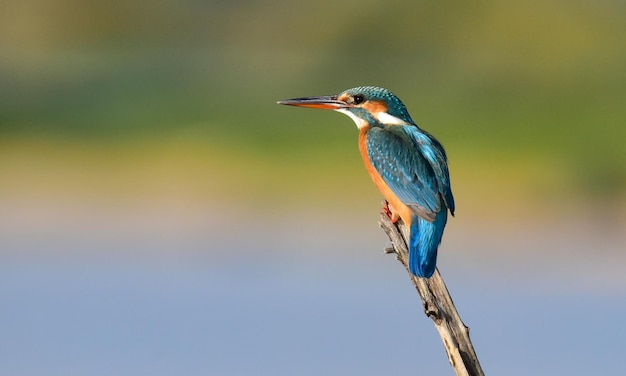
(415, 167)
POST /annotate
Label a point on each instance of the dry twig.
(438, 306)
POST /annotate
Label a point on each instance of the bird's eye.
(358, 99)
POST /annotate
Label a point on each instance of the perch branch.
(438, 306)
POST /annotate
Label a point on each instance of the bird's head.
(366, 105)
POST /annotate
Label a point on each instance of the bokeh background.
(160, 214)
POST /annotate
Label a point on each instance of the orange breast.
(397, 206)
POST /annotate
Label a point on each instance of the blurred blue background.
(160, 214)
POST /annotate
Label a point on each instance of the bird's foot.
(390, 213)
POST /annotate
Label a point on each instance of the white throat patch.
(385, 118)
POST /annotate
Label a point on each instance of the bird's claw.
(389, 212)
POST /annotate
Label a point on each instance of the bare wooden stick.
(438, 306)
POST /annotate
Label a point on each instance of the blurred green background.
(142, 131)
(120, 99)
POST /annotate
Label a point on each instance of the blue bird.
(408, 165)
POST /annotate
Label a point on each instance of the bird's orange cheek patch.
(374, 107)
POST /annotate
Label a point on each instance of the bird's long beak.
(326, 103)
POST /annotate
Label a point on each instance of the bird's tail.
(423, 243)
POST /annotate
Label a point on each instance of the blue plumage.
(414, 166)
(423, 243)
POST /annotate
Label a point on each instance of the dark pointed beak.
(326, 103)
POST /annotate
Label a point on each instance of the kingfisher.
(407, 164)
